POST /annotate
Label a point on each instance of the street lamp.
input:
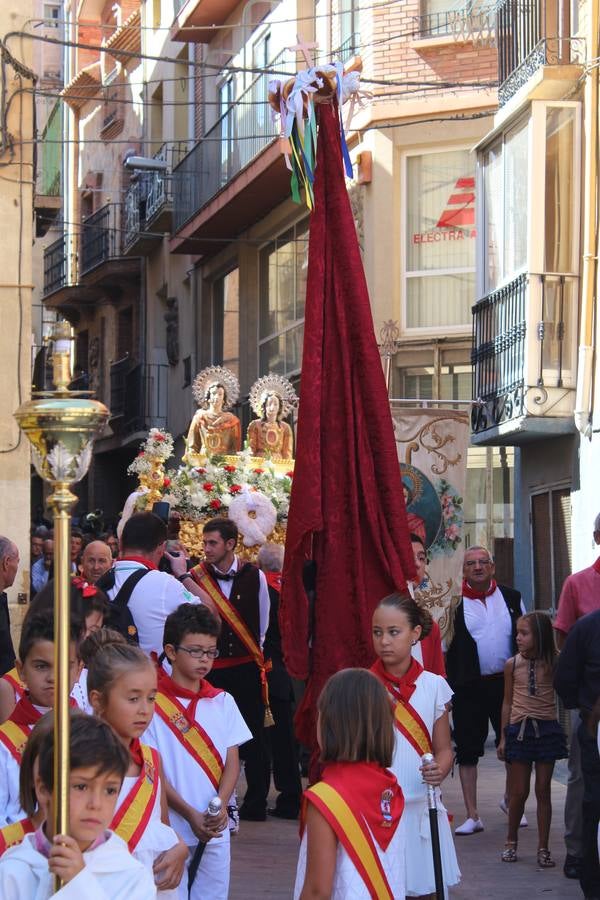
(61, 426)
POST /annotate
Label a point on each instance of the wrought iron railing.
(229, 146)
(151, 192)
(499, 330)
(55, 265)
(100, 238)
(138, 395)
(526, 41)
(349, 47)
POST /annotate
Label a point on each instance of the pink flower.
(235, 488)
(452, 532)
(141, 453)
(208, 486)
(215, 504)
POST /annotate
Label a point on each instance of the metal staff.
(426, 760)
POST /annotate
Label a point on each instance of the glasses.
(198, 652)
(478, 562)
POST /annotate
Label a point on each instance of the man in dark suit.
(482, 639)
(9, 564)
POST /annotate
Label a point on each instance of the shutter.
(561, 538)
(541, 541)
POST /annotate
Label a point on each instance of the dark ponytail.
(415, 614)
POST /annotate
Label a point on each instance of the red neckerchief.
(596, 566)
(135, 752)
(401, 688)
(87, 589)
(172, 689)
(274, 580)
(25, 714)
(472, 594)
(138, 559)
(363, 786)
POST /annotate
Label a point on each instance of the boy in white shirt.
(197, 729)
(35, 667)
(91, 861)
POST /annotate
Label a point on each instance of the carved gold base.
(190, 534)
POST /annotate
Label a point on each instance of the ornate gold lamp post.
(61, 426)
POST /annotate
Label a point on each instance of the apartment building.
(535, 321)
(199, 256)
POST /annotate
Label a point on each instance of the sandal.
(509, 854)
(544, 859)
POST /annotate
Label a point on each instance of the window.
(531, 166)
(551, 545)
(440, 240)
(225, 92)
(226, 321)
(349, 29)
(283, 268)
(51, 15)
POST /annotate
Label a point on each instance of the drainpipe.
(583, 397)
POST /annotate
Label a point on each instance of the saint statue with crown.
(272, 398)
(214, 431)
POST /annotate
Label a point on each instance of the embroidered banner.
(432, 450)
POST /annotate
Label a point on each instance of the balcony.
(524, 346)
(531, 36)
(87, 265)
(194, 19)
(138, 397)
(475, 18)
(148, 207)
(234, 176)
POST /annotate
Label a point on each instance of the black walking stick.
(427, 759)
(214, 809)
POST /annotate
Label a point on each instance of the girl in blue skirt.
(531, 733)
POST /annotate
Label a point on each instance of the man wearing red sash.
(240, 594)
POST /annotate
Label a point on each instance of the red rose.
(230, 468)
(235, 488)
(215, 504)
(159, 437)
(200, 470)
(208, 486)
(259, 471)
(141, 453)
(167, 482)
(290, 474)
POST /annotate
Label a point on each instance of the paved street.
(264, 855)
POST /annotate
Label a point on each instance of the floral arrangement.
(449, 535)
(156, 449)
(209, 490)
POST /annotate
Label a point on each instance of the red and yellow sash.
(13, 834)
(353, 834)
(133, 815)
(411, 726)
(191, 736)
(14, 737)
(229, 613)
(15, 682)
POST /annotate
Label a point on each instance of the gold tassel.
(269, 720)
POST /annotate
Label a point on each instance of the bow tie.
(223, 576)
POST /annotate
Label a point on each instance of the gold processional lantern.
(61, 426)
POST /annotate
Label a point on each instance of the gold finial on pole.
(388, 338)
(61, 426)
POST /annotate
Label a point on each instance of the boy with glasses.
(197, 729)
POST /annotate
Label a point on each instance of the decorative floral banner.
(432, 450)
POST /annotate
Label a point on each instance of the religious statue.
(272, 398)
(214, 431)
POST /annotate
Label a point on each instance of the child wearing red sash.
(353, 839)
(91, 861)
(35, 667)
(418, 700)
(122, 690)
(197, 729)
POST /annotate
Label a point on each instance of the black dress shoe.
(282, 813)
(249, 815)
(572, 867)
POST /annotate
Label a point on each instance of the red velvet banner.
(347, 508)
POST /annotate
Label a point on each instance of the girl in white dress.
(122, 686)
(419, 701)
(353, 840)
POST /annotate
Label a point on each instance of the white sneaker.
(523, 823)
(470, 826)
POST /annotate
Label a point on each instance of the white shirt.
(156, 596)
(221, 719)
(490, 626)
(264, 603)
(10, 805)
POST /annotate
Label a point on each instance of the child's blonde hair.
(110, 663)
